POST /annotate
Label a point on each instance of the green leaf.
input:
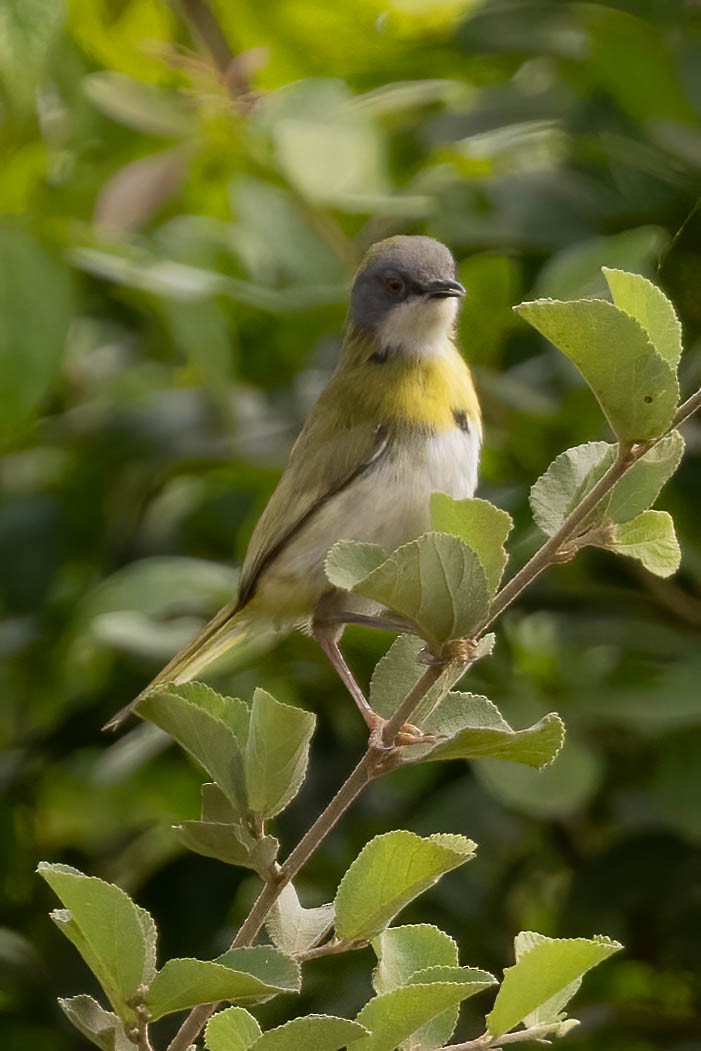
(139, 106)
(404, 951)
(574, 472)
(635, 387)
(115, 937)
(277, 753)
(207, 737)
(232, 711)
(541, 974)
(568, 478)
(651, 539)
(640, 486)
(295, 929)
(650, 307)
(550, 1010)
(231, 1030)
(394, 1016)
(101, 1027)
(479, 524)
(267, 964)
(32, 340)
(395, 675)
(475, 729)
(398, 672)
(401, 951)
(348, 562)
(320, 1032)
(435, 581)
(230, 843)
(390, 871)
(244, 975)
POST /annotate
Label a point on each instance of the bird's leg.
(325, 634)
(327, 627)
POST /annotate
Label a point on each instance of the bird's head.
(405, 295)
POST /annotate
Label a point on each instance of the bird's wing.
(329, 454)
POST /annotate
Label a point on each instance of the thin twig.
(333, 948)
(534, 1032)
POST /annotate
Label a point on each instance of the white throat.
(420, 327)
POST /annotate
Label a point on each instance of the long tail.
(223, 631)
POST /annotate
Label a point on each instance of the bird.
(398, 420)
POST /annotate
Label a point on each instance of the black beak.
(444, 289)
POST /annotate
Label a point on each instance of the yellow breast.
(433, 391)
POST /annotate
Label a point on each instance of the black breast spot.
(461, 419)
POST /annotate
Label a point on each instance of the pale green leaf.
(640, 485)
(230, 843)
(435, 581)
(550, 1010)
(295, 929)
(277, 753)
(232, 711)
(650, 307)
(348, 562)
(233, 1029)
(101, 1027)
(115, 937)
(473, 728)
(395, 675)
(574, 472)
(266, 963)
(205, 736)
(541, 974)
(317, 1032)
(651, 539)
(398, 672)
(568, 478)
(28, 29)
(243, 975)
(636, 388)
(479, 524)
(396, 1015)
(401, 951)
(31, 340)
(390, 871)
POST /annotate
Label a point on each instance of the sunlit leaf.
(543, 972)
(651, 539)
(390, 871)
(277, 752)
(233, 1029)
(648, 305)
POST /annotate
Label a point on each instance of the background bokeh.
(177, 237)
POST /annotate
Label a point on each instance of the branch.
(380, 758)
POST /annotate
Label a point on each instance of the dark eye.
(395, 286)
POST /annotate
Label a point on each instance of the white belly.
(389, 506)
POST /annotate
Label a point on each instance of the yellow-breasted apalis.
(398, 421)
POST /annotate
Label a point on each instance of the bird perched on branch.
(398, 421)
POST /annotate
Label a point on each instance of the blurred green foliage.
(176, 247)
